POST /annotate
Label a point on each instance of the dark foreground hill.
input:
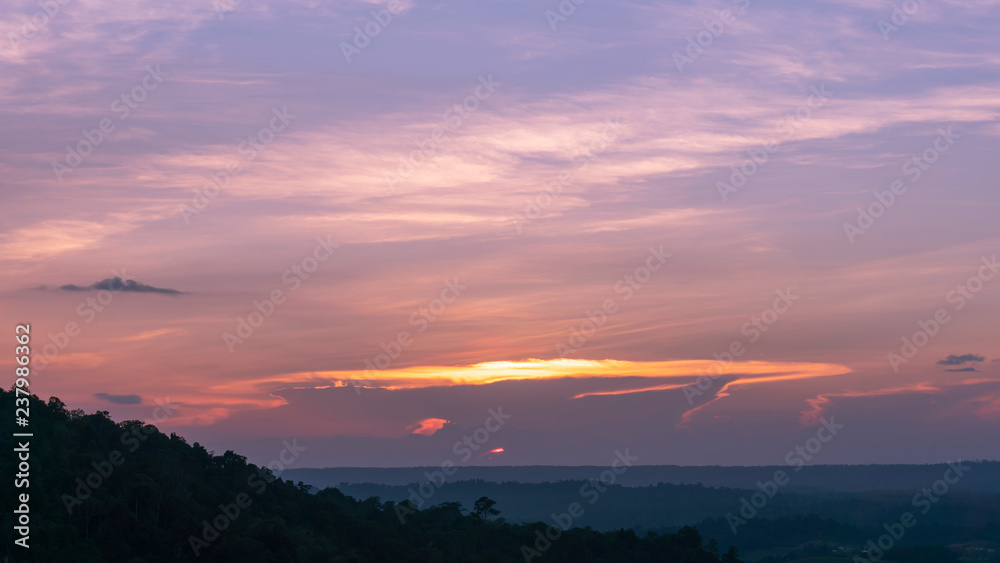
(100, 491)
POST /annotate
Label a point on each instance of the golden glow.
(605, 378)
(492, 372)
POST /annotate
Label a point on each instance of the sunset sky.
(569, 216)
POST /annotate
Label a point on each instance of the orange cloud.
(429, 426)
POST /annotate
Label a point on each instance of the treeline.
(802, 537)
(666, 506)
(102, 491)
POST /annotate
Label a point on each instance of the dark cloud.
(961, 370)
(120, 399)
(117, 284)
(954, 360)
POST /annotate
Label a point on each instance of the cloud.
(429, 426)
(116, 284)
(961, 370)
(120, 399)
(44, 240)
(954, 360)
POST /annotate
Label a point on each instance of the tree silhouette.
(483, 508)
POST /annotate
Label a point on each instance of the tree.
(483, 508)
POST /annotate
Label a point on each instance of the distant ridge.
(984, 476)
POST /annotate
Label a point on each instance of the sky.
(511, 233)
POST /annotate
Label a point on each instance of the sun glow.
(536, 369)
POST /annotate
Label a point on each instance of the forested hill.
(101, 491)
